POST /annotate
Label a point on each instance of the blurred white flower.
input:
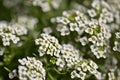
(92, 13)
(47, 30)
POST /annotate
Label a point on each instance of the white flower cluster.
(100, 42)
(83, 67)
(71, 21)
(19, 29)
(97, 29)
(105, 15)
(46, 5)
(11, 3)
(11, 33)
(31, 69)
(27, 21)
(98, 33)
(48, 45)
(69, 57)
(117, 42)
(76, 21)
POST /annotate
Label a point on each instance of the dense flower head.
(85, 66)
(71, 21)
(11, 33)
(11, 3)
(96, 32)
(46, 5)
(31, 68)
(102, 9)
(27, 21)
(69, 56)
(48, 45)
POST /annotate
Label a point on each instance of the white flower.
(93, 48)
(15, 39)
(78, 19)
(27, 21)
(100, 42)
(83, 40)
(102, 19)
(65, 31)
(111, 76)
(81, 29)
(73, 26)
(12, 74)
(106, 4)
(93, 24)
(23, 61)
(89, 30)
(99, 76)
(1, 51)
(41, 52)
(55, 3)
(45, 4)
(105, 11)
(84, 66)
(65, 13)
(109, 17)
(93, 64)
(93, 39)
(45, 7)
(60, 62)
(6, 42)
(100, 36)
(92, 13)
(47, 30)
(117, 35)
(38, 41)
(74, 74)
(96, 4)
(116, 46)
(64, 20)
(99, 54)
(82, 75)
(91, 70)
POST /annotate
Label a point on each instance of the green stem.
(50, 76)
(58, 71)
(7, 69)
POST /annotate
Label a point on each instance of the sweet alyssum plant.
(60, 40)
